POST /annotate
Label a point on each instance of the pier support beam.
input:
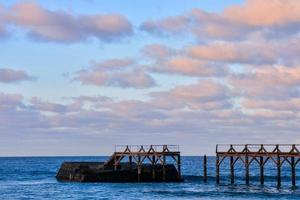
(261, 166)
(231, 170)
(130, 161)
(293, 171)
(278, 170)
(164, 168)
(179, 166)
(247, 169)
(217, 169)
(153, 167)
(205, 169)
(139, 168)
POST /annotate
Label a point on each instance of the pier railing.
(147, 148)
(282, 149)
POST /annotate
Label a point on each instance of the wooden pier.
(141, 154)
(129, 163)
(259, 153)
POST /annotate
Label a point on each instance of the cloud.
(113, 64)
(157, 51)
(116, 73)
(60, 26)
(13, 76)
(268, 82)
(236, 22)
(199, 111)
(10, 101)
(43, 106)
(188, 66)
(292, 104)
(203, 95)
(172, 24)
(265, 13)
(235, 52)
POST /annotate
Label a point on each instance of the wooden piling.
(164, 168)
(179, 166)
(139, 168)
(130, 161)
(115, 163)
(293, 171)
(204, 168)
(278, 164)
(278, 171)
(217, 169)
(231, 170)
(261, 166)
(247, 166)
(153, 167)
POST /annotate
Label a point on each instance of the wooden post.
(179, 167)
(247, 165)
(115, 162)
(205, 169)
(293, 171)
(164, 167)
(231, 170)
(139, 168)
(217, 169)
(153, 167)
(278, 168)
(130, 162)
(261, 165)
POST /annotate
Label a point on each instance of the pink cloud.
(10, 101)
(13, 76)
(188, 66)
(117, 73)
(265, 13)
(204, 94)
(113, 64)
(235, 52)
(61, 26)
(275, 82)
(172, 24)
(237, 22)
(157, 51)
(292, 104)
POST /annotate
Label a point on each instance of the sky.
(78, 77)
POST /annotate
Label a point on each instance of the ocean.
(34, 178)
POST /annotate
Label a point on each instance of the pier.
(140, 154)
(278, 154)
(128, 163)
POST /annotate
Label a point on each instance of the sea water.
(34, 178)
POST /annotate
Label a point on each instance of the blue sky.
(50, 58)
(99, 73)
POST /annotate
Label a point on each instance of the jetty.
(248, 154)
(129, 163)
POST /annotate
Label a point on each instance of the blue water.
(34, 178)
